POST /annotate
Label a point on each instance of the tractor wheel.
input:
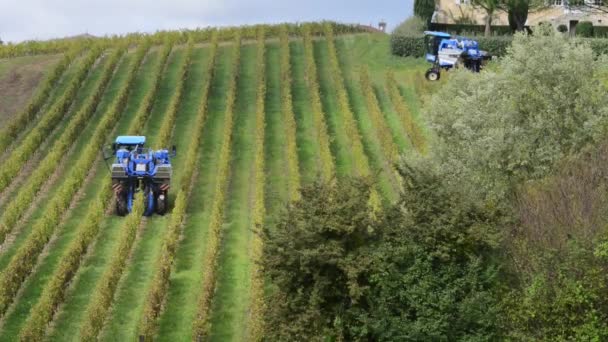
(148, 198)
(121, 205)
(432, 75)
(161, 203)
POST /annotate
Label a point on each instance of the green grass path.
(177, 319)
(130, 295)
(276, 160)
(340, 144)
(308, 148)
(230, 304)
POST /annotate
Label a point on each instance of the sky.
(45, 19)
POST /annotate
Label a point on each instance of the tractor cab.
(446, 52)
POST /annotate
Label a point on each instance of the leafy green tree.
(514, 122)
(423, 270)
(424, 9)
(490, 7)
(318, 259)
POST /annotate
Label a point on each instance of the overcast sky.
(43, 19)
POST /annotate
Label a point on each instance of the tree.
(502, 127)
(490, 6)
(424, 9)
(517, 12)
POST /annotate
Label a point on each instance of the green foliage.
(318, 258)
(584, 29)
(424, 9)
(414, 45)
(562, 28)
(412, 26)
(423, 271)
(500, 127)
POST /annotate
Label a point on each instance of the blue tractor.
(446, 52)
(140, 169)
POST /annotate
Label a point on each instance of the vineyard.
(255, 113)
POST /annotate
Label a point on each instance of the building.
(556, 12)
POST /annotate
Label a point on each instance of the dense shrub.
(562, 28)
(422, 272)
(502, 127)
(414, 45)
(412, 26)
(584, 29)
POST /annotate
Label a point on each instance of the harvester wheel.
(432, 75)
(121, 205)
(161, 203)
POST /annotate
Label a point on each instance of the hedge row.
(14, 162)
(327, 168)
(22, 200)
(289, 117)
(199, 35)
(373, 108)
(414, 45)
(166, 130)
(25, 259)
(201, 322)
(160, 283)
(497, 46)
(54, 292)
(413, 131)
(255, 326)
(21, 120)
(104, 293)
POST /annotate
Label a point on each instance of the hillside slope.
(289, 108)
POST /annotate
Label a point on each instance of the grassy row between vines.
(24, 260)
(14, 162)
(255, 326)
(389, 147)
(201, 323)
(27, 115)
(289, 117)
(25, 195)
(158, 291)
(327, 167)
(103, 295)
(54, 292)
(416, 136)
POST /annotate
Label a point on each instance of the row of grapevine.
(26, 116)
(255, 327)
(416, 136)
(326, 160)
(103, 294)
(361, 162)
(23, 262)
(201, 324)
(350, 126)
(373, 108)
(54, 291)
(26, 194)
(199, 35)
(160, 283)
(289, 117)
(166, 130)
(14, 162)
